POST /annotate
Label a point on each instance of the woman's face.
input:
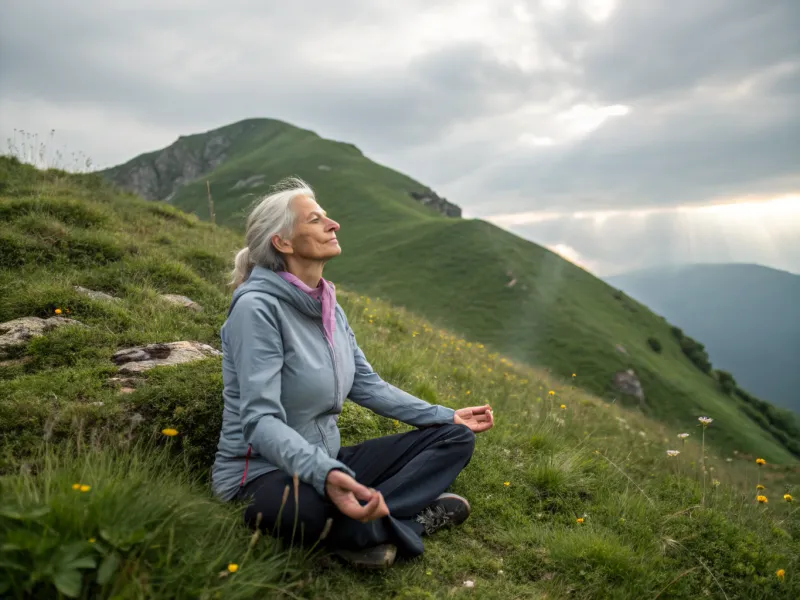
(314, 236)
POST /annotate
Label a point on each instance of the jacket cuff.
(444, 414)
(320, 474)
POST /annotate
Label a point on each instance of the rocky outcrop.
(94, 295)
(433, 200)
(183, 301)
(158, 175)
(627, 383)
(17, 333)
(131, 361)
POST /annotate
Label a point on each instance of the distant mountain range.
(403, 243)
(747, 316)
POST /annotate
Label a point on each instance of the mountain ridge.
(747, 314)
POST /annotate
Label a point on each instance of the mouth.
(333, 241)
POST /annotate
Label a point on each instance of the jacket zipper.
(335, 384)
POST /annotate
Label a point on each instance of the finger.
(371, 508)
(356, 511)
(361, 492)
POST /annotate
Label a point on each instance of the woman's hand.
(477, 418)
(345, 492)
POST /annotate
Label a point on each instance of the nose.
(332, 225)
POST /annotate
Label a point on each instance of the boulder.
(183, 301)
(96, 295)
(627, 383)
(142, 358)
(17, 333)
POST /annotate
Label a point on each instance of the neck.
(309, 272)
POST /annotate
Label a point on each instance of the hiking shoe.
(447, 510)
(377, 557)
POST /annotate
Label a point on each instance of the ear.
(282, 245)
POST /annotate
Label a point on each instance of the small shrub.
(726, 382)
(654, 344)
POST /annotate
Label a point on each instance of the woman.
(290, 359)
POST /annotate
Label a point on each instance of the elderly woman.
(290, 359)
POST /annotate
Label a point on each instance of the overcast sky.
(620, 133)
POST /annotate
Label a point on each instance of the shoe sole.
(389, 555)
(460, 499)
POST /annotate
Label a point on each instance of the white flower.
(673, 452)
(469, 583)
(705, 420)
(729, 459)
(683, 436)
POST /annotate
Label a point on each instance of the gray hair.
(272, 216)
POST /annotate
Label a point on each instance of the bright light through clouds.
(609, 241)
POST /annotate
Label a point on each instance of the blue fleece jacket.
(284, 387)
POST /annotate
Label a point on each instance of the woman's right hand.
(345, 492)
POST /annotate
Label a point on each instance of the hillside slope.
(571, 497)
(465, 275)
(748, 316)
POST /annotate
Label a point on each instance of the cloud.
(507, 106)
(608, 242)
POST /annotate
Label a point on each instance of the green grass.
(652, 524)
(453, 273)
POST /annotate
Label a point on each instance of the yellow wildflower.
(233, 567)
(92, 540)
(169, 432)
(506, 483)
(760, 462)
(760, 487)
(85, 488)
(396, 423)
(574, 375)
(551, 393)
(370, 321)
(579, 520)
(76, 486)
(467, 392)
(762, 499)
(788, 497)
(57, 311)
(780, 574)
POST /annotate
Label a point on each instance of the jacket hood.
(268, 282)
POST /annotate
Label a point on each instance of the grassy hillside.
(572, 497)
(748, 316)
(144, 524)
(455, 272)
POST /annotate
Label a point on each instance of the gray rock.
(181, 301)
(433, 200)
(142, 358)
(95, 295)
(159, 175)
(15, 334)
(627, 383)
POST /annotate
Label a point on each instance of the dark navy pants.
(410, 470)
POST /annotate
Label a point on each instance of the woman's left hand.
(477, 418)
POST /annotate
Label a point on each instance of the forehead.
(305, 206)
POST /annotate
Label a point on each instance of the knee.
(463, 435)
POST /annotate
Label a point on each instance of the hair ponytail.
(241, 267)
